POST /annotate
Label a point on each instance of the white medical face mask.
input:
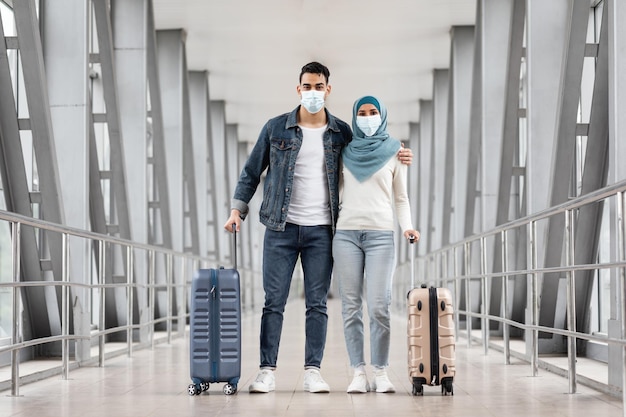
(313, 100)
(368, 124)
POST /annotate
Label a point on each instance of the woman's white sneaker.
(381, 382)
(359, 384)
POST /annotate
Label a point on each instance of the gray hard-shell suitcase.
(431, 340)
(215, 327)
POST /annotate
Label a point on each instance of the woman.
(373, 188)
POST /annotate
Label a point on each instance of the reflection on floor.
(154, 383)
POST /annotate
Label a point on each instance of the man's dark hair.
(315, 68)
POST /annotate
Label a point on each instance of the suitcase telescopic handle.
(412, 240)
(234, 245)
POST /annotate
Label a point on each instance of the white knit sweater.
(369, 205)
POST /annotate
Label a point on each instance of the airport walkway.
(154, 383)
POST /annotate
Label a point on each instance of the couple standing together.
(329, 192)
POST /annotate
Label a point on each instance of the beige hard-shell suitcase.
(431, 340)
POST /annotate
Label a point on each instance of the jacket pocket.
(280, 151)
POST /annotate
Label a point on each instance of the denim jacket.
(276, 150)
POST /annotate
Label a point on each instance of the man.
(301, 152)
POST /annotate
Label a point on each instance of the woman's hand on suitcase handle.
(234, 219)
(412, 235)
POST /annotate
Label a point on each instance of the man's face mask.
(313, 100)
(368, 124)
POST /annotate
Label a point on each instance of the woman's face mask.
(312, 100)
(368, 124)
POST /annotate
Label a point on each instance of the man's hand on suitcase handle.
(234, 221)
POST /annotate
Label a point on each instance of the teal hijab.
(365, 155)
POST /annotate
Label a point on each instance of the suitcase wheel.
(193, 389)
(446, 387)
(418, 389)
(230, 389)
(204, 386)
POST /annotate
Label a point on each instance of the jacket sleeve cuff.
(241, 206)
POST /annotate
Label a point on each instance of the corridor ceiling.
(254, 50)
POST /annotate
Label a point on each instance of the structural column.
(616, 10)
(458, 138)
(223, 195)
(170, 53)
(546, 24)
(66, 58)
(425, 174)
(201, 137)
(438, 156)
(129, 21)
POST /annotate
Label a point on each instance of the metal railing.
(435, 267)
(176, 291)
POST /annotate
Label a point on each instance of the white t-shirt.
(310, 201)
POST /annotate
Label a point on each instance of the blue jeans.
(280, 253)
(364, 263)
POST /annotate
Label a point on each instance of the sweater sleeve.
(401, 197)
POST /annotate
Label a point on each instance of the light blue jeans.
(364, 261)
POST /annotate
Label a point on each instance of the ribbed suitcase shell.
(424, 367)
(215, 327)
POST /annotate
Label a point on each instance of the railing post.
(102, 270)
(485, 294)
(64, 307)
(571, 299)
(182, 306)
(456, 293)
(130, 265)
(16, 232)
(169, 279)
(534, 299)
(621, 283)
(151, 292)
(505, 297)
(444, 269)
(468, 304)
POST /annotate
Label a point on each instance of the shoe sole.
(388, 391)
(318, 391)
(358, 391)
(254, 390)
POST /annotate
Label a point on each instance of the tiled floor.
(154, 383)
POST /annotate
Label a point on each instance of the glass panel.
(6, 275)
(8, 23)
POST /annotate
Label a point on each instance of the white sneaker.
(381, 382)
(313, 381)
(359, 384)
(264, 382)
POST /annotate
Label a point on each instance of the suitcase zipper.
(214, 325)
(434, 335)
